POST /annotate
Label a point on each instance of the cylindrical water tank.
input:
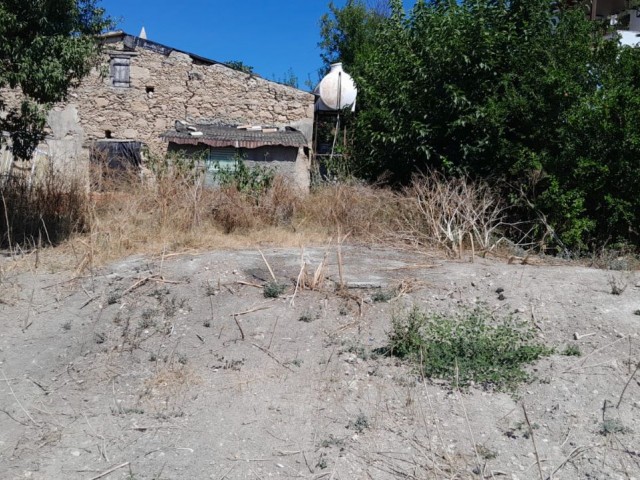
(337, 89)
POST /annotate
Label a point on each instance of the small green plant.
(250, 180)
(113, 297)
(572, 351)
(146, 319)
(307, 317)
(322, 462)
(468, 347)
(211, 290)
(66, 326)
(273, 289)
(332, 441)
(618, 285)
(485, 452)
(358, 350)
(206, 324)
(360, 424)
(521, 428)
(613, 426)
(382, 296)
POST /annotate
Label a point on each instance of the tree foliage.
(519, 91)
(45, 48)
(239, 65)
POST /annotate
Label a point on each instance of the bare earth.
(141, 370)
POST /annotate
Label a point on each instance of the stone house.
(142, 90)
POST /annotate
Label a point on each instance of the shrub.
(467, 347)
(273, 289)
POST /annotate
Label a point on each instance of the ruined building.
(149, 96)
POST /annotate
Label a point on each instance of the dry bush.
(366, 212)
(45, 211)
(447, 211)
(235, 210)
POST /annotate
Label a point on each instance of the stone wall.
(166, 88)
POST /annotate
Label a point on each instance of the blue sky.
(273, 36)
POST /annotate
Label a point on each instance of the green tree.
(45, 48)
(531, 96)
(346, 33)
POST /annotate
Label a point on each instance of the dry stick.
(251, 310)
(466, 417)
(28, 323)
(627, 384)
(533, 440)
(302, 267)
(273, 332)
(239, 326)
(111, 470)
(272, 356)
(574, 453)
(6, 217)
(242, 282)
(340, 272)
(16, 399)
(433, 411)
(140, 282)
(268, 266)
(572, 367)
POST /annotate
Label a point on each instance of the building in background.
(141, 90)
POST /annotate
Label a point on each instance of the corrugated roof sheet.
(220, 136)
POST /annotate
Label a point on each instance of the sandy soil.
(180, 368)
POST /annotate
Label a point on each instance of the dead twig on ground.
(276, 359)
(579, 364)
(251, 310)
(150, 278)
(268, 266)
(466, 417)
(111, 470)
(627, 384)
(574, 453)
(533, 440)
(13, 394)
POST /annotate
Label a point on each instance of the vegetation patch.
(470, 347)
(273, 289)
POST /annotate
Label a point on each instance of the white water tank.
(336, 90)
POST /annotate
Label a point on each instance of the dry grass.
(175, 213)
(43, 212)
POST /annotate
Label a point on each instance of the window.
(120, 67)
(218, 159)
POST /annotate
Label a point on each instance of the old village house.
(148, 94)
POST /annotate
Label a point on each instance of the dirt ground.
(179, 368)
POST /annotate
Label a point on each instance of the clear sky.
(272, 36)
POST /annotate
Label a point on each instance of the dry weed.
(445, 212)
(364, 212)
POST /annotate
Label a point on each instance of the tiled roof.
(225, 136)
